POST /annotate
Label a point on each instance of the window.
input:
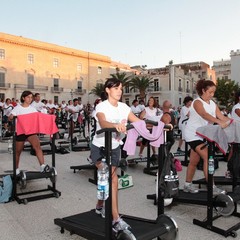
(2, 54)
(157, 100)
(79, 67)
(2, 79)
(55, 62)
(99, 70)
(55, 99)
(156, 85)
(180, 85)
(30, 81)
(30, 58)
(188, 88)
(2, 96)
(127, 101)
(79, 86)
(127, 90)
(56, 83)
(180, 101)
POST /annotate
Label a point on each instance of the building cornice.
(21, 41)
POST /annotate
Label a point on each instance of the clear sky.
(135, 32)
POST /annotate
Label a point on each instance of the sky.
(134, 32)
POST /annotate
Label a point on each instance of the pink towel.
(156, 137)
(36, 123)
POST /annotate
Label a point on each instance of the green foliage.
(225, 93)
(122, 77)
(141, 83)
(97, 90)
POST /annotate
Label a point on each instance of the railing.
(80, 91)
(188, 90)
(4, 85)
(57, 89)
(35, 87)
(180, 89)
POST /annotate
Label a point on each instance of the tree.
(141, 83)
(122, 77)
(225, 92)
(97, 90)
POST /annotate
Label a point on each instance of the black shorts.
(23, 137)
(97, 154)
(194, 144)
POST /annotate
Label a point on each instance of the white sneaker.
(217, 191)
(120, 225)
(190, 188)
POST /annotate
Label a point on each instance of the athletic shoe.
(180, 150)
(140, 156)
(217, 191)
(120, 225)
(46, 169)
(228, 174)
(190, 188)
(100, 211)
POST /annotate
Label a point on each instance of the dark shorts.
(97, 154)
(194, 144)
(23, 137)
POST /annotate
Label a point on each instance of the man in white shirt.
(37, 104)
(135, 108)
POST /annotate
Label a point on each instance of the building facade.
(222, 69)
(56, 72)
(235, 65)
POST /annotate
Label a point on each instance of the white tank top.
(195, 120)
(233, 114)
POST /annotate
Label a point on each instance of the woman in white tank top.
(203, 111)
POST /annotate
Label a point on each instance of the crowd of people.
(109, 112)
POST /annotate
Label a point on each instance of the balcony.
(188, 90)
(80, 91)
(56, 89)
(4, 85)
(180, 89)
(32, 87)
(156, 89)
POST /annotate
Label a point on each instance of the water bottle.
(211, 167)
(102, 183)
(10, 146)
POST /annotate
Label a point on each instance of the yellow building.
(56, 72)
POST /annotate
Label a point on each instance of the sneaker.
(180, 150)
(45, 169)
(100, 211)
(120, 225)
(190, 188)
(140, 155)
(228, 174)
(217, 191)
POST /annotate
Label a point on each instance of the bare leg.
(19, 149)
(34, 141)
(193, 162)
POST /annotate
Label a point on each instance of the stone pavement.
(36, 219)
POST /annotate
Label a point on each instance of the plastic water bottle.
(10, 146)
(211, 167)
(103, 183)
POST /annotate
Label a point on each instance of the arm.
(198, 106)
(237, 111)
(221, 116)
(142, 114)
(105, 124)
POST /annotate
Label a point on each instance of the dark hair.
(134, 101)
(36, 94)
(111, 82)
(25, 94)
(75, 99)
(155, 103)
(237, 97)
(187, 99)
(204, 84)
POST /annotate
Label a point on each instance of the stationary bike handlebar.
(130, 126)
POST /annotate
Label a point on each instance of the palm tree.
(97, 90)
(122, 77)
(142, 83)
